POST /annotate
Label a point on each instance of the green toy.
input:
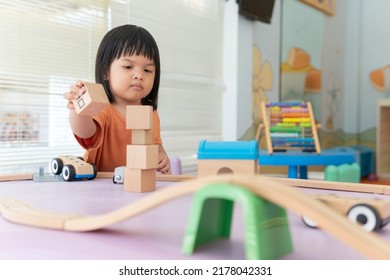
(343, 173)
(266, 229)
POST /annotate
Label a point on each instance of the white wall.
(240, 35)
(237, 72)
(350, 91)
(230, 61)
(375, 53)
(244, 74)
(268, 38)
(356, 42)
(337, 45)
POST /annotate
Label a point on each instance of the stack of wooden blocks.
(142, 155)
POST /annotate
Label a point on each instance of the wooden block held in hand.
(92, 102)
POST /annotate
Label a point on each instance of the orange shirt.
(107, 148)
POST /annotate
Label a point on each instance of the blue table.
(298, 161)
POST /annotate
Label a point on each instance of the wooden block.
(212, 167)
(159, 177)
(139, 117)
(142, 156)
(139, 180)
(382, 140)
(142, 136)
(92, 101)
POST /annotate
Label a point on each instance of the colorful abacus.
(290, 126)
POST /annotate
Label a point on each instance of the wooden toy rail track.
(276, 192)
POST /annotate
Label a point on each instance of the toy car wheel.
(385, 222)
(309, 222)
(94, 172)
(116, 178)
(68, 172)
(56, 165)
(366, 216)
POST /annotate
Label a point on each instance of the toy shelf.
(290, 126)
(383, 140)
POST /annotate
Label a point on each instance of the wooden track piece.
(15, 210)
(159, 177)
(338, 186)
(16, 177)
(313, 184)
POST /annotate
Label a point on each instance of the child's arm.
(82, 126)
(164, 165)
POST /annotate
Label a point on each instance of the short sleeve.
(92, 142)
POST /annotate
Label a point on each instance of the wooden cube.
(139, 117)
(142, 156)
(139, 180)
(142, 136)
(213, 167)
(92, 101)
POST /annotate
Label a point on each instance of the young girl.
(128, 67)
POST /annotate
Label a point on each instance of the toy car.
(72, 168)
(118, 175)
(371, 214)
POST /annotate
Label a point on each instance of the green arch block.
(266, 229)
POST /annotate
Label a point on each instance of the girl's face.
(131, 78)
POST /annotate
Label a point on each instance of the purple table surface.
(157, 234)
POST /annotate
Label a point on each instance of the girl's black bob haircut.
(127, 40)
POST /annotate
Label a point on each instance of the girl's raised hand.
(75, 91)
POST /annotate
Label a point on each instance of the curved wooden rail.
(281, 194)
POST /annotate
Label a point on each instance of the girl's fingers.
(70, 106)
(75, 91)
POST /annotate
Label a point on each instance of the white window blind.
(189, 34)
(45, 47)
(48, 44)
